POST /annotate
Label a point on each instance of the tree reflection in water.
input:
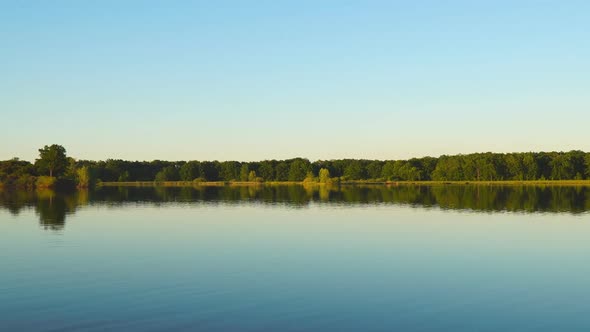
(54, 207)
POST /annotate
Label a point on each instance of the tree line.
(53, 165)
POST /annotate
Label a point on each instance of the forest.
(54, 167)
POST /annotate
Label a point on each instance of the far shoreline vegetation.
(54, 169)
(350, 182)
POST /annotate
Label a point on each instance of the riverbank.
(384, 183)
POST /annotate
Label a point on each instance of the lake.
(295, 258)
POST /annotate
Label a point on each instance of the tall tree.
(448, 168)
(587, 165)
(515, 166)
(168, 173)
(267, 170)
(282, 173)
(244, 170)
(374, 169)
(354, 170)
(52, 160)
(530, 166)
(209, 170)
(229, 170)
(298, 169)
(561, 167)
(190, 171)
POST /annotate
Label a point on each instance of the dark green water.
(290, 258)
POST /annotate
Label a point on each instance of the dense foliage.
(52, 159)
(572, 165)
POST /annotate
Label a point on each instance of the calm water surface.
(296, 259)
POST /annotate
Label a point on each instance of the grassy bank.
(190, 183)
(496, 183)
(364, 182)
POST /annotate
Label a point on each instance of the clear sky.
(252, 80)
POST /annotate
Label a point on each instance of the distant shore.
(385, 183)
(55, 169)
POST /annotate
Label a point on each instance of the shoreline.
(185, 184)
(346, 183)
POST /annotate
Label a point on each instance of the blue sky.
(253, 80)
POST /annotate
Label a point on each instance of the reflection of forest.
(53, 207)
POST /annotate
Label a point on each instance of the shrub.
(252, 176)
(198, 180)
(324, 176)
(84, 177)
(46, 182)
(309, 178)
(26, 181)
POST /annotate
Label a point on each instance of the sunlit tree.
(324, 175)
(52, 160)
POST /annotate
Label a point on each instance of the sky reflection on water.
(218, 265)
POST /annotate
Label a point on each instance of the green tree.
(324, 175)
(530, 167)
(52, 160)
(229, 170)
(298, 169)
(282, 171)
(374, 169)
(168, 173)
(244, 170)
(425, 165)
(210, 171)
(309, 178)
(71, 168)
(400, 170)
(190, 171)
(406, 172)
(448, 168)
(17, 171)
(252, 176)
(561, 167)
(337, 167)
(515, 166)
(485, 168)
(354, 170)
(84, 177)
(124, 176)
(267, 170)
(578, 167)
(388, 171)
